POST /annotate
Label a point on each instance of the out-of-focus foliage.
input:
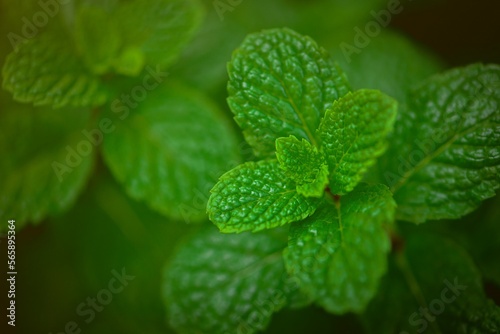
(114, 126)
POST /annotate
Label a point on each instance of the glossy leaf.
(339, 253)
(220, 283)
(280, 84)
(256, 196)
(353, 134)
(445, 156)
(393, 64)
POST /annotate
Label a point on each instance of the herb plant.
(358, 197)
(337, 172)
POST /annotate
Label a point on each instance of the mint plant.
(362, 192)
(340, 171)
(291, 187)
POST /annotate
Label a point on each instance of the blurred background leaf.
(42, 169)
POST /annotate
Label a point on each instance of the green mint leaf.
(46, 71)
(160, 28)
(437, 289)
(304, 164)
(444, 156)
(339, 253)
(280, 84)
(49, 166)
(353, 134)
(256, 196)
(169, 150)
(219, 283)
(393, 64)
